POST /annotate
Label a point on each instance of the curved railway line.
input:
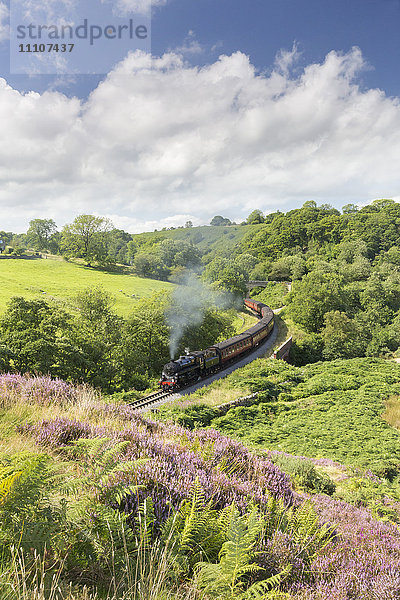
(159, 397)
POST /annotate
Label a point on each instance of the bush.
(196, 415)
(307, 350)
(304, 473)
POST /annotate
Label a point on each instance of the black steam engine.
(194, 365)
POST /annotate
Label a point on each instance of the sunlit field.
(61, 280)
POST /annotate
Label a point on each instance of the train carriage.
(230, 349)
(254, 305)
(195, 365)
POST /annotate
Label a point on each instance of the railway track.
(155, 397)
(149, 400)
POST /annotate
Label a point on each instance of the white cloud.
(4, 25)
(190, 46)
(162, 142)
(140, 6)
(285, 59)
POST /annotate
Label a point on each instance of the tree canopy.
(41, 234)
(220, 221)
(86, 238)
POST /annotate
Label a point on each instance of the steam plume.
(189, 304)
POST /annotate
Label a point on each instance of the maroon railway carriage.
(195, 365)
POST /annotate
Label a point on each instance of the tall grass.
(21, 581)
(392, 411)
(147, 578)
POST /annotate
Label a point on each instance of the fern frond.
(6, 485)
(236, 556)
(276, 516)
(225, 519)
(259, 589)
(99, 458)
(193, 533)
(304, 527)
(145, 522)
(194, 517)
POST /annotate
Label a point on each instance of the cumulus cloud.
(159, 142)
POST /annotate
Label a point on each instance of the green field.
(61, 280)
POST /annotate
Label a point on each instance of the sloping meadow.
(233, 524)
(335, 410)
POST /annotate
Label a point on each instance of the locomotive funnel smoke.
(189, 304)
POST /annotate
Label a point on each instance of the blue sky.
(260, 28)
(259, 104)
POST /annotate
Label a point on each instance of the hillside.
(115, 334)
(46, 278)
(168, 507)
(209, 239)
(209, 519)
(328, 410)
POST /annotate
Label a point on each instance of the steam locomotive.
(195, 365)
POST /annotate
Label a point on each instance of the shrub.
(15, 388)
(304, 473)
(195, 415)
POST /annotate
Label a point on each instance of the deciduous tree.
(220, 221)
(315, 295)
(255, 218)
(86, 237)
(40, 234)
(343, 337)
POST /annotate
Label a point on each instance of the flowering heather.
(43, 390)
(231, 474)
(364, 564)
(59, 432)
(172, 470)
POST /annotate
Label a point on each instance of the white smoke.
(189, 304)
